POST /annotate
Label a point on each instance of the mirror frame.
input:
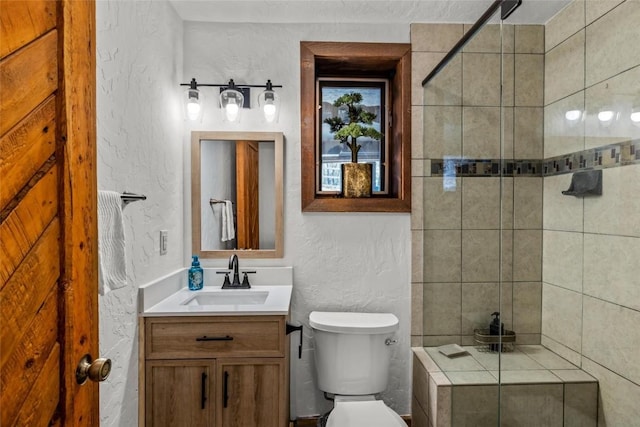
(196, 222)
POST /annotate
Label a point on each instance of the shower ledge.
(538, 388)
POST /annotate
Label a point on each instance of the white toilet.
(352, 355)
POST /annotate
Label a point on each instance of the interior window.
(334, 96)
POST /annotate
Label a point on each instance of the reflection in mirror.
(237, 193)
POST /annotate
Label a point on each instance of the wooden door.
(247, 209)
(252, 393)
(48, 224)
(180, 393)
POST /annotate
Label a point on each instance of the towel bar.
(131, 197)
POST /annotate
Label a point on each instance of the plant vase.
(356, 180)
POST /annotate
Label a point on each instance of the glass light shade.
(269, 103)
(193, 104)
(231, 101)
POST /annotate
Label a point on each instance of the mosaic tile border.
(608, 156)
(462, 167)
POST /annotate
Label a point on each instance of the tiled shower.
(498, 134)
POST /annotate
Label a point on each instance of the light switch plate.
(163, 241)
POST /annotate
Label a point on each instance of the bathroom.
(579, 283)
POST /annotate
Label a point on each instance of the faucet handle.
(227, 282)
(245, 279)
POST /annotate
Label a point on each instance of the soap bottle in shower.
(496, 328)
(196, 278)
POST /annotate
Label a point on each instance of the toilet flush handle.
(389, 341)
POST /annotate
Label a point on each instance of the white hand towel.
(112, 264)
(228, 228)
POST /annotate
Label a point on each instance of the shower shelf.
(485, 341)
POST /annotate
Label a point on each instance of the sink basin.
(227, 297)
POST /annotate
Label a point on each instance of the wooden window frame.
(348, 60)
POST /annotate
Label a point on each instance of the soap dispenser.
(196, 279)
(496, 328)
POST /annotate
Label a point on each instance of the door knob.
(95, 370)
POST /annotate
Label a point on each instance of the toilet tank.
(351, 355)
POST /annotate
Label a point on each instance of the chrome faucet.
(233, 265)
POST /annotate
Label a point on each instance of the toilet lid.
(354, 323)
(372, 413)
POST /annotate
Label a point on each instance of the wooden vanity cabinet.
(230, 371)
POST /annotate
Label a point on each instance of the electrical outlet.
(163, 242)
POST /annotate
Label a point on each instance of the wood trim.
(78, 185)
(142, 372)
(352, 60)
(196, 223)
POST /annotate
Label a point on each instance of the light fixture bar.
(234, 97)
(226, 85)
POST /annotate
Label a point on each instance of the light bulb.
(269, 111)
(193, 109)
(269, 102)
(193, 103)
(231, 110)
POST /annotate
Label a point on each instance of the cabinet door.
(180, 393)
(252, 393)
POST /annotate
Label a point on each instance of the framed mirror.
(237, 194)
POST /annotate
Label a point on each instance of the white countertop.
(169, 295)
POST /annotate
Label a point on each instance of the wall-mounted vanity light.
(193, 102)
(233, 98)
(269, 103)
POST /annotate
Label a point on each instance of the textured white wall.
(140, 128)
(341, 261)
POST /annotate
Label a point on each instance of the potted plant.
(356, 177)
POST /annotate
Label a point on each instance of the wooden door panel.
(248, 212)
(22, 227)
(254, 390)
(77, 151)
(24, 21)
(28, 287)
(32, 143)
(27, 78)
(47, 106)
(26, 362)
(40, 405)
(175, 391)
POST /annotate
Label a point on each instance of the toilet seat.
(370, 413)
